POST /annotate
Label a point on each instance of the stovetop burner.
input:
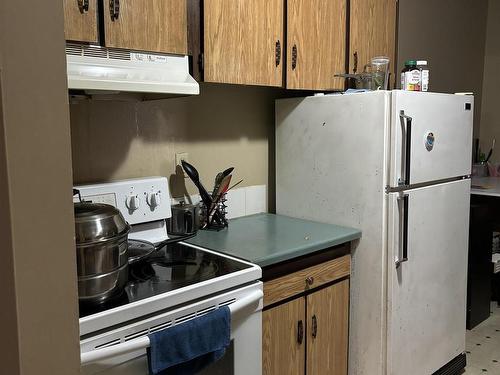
(158, 271)
(171, 267)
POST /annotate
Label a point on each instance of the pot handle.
(188, 222)
(77, 192)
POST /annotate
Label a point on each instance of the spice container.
(410, 76)
(424, 75)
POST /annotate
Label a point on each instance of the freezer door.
(431, 137)
(427, 290)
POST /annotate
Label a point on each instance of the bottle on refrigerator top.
(410, 76)
(424, 75)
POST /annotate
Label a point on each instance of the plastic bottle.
(410, 76)
(424, 75)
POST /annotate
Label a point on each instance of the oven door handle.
(143, 342)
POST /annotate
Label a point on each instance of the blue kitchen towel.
(187, 348)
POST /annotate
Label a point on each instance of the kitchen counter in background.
(268, 239)
(486, 186)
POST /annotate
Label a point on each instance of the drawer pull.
(83, 6)
(314, 330)
(300, 332)
(294, 56)
(277, 53)
(310, 281)
(114, 9)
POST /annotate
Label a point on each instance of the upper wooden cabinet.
(80, 20)
(243, 41)
(372, 32)
(149, 25)
(316, 44)
(144, 25)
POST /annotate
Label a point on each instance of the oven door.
(243, 357)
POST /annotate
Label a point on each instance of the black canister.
(184, 220)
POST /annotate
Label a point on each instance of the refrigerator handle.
(403, 231)
(406, 135)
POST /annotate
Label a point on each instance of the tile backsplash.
(240, 201)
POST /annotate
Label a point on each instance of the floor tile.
(483, 346)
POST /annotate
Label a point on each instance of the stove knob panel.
(154, 200)
(133, 202)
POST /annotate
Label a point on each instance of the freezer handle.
(403, 231)
(406, 135)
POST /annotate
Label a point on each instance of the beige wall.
(450, 34)
(490, 120)
(224, 126)
(38, 313)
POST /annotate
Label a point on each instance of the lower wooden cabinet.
(327, 327)
(308, 335)
(283, 331)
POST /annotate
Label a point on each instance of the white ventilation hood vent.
(95, 69)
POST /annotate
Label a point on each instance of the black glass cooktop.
(171, 267)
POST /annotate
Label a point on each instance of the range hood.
(96, 69)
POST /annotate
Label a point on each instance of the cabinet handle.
(355, 68)
(300, 332)
(314, 330)
(277, 53)
(310, 281)
(294, 57)
(83, 6)
(114, 9)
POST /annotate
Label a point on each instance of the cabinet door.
(244, 41)
(283, 336)
(147, 25)
(316, 44)
(372, 32)
(80, 20)
(327, 327)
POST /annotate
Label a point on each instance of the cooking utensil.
(139, 250)
(220, 192)
(101, 250)
(476, 150)
(491, 150)
(236, 184)
(98, 288)
(218, 179)
(193, 174)
(184, 220)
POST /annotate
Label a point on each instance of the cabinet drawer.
(287, 286)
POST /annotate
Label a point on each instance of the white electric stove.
(176, 283)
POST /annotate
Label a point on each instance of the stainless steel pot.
(185, 219)
(99, 287)
(101, 250)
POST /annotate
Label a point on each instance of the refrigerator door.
(431, 137)
(427, 280)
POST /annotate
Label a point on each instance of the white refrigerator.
(397, 166)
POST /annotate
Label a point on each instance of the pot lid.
(98, 222)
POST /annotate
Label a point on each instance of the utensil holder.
(210, 222)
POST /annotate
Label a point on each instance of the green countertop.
(267, 239)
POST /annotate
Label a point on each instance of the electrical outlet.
(179, 157)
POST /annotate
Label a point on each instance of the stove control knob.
(133, 202)
(153, 200)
